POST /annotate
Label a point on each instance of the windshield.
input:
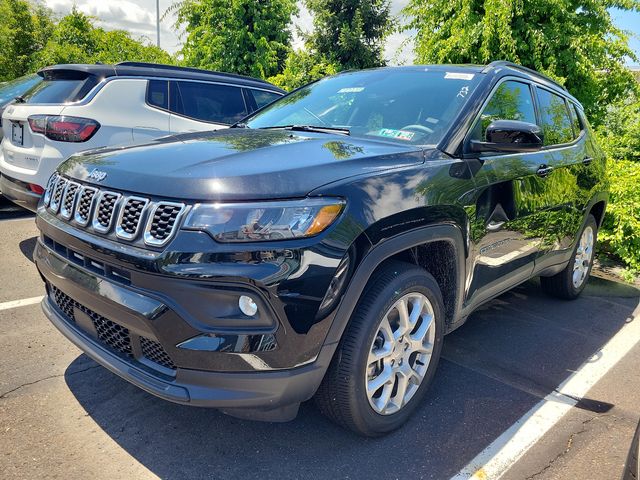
(413, 106)
(14, 88)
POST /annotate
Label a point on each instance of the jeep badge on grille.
(97, 175)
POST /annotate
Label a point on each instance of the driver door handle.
(544, 170)
(587, 160)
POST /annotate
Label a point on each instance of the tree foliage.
(301, 68)
(573, 41)
(31, 37)
(249, 37)
(349, 33)
(24, 29)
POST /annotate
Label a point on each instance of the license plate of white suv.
(16, 133)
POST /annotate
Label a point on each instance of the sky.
(139, 18)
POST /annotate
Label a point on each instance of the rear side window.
(207, 102)
(263, 98)
(575, 120)
(158, 94)
(63, 87)
(556, 125)
(511, 101)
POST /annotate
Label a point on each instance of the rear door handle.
(587, 160)
(544, 170)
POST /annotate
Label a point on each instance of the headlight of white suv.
(255, 222)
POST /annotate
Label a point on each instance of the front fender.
(385, 250)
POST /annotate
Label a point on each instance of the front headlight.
(255, 222)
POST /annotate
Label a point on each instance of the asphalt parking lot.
(64, 416)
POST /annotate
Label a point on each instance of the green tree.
(24, 29)
(75, 39)
(573, 41)
(346, 34)
(349, 33)
(249, 37)
(301, 68)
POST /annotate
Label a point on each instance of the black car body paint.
(435, 205)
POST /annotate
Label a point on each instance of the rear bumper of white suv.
(19, 193)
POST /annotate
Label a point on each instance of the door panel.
(564, 217)
(509, 222)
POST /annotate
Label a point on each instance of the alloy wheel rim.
(583, 258)
(400, 353)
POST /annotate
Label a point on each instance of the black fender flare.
(385, 250)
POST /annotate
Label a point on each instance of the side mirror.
(511, 136)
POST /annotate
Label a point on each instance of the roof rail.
(505, 63)
(189, 69)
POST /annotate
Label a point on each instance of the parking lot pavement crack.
(567, 448)
(27, 384)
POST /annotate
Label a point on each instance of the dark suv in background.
(325, 245)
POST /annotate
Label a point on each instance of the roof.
(140, 69)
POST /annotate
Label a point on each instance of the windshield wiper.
(312, 128)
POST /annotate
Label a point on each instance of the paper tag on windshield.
(398, 134)
(459, 76)
(351, 90)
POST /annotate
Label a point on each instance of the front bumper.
(19, 193)
(271, 395)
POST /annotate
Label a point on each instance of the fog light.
(247, 306)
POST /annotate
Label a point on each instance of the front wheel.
(388, 354)
(569, 283)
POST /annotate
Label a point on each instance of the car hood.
(238, 164)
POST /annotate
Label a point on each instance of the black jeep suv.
(325, 245)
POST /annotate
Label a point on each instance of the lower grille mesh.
(111, 334)
(154, 352)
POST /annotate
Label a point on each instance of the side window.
(556, 123)
(158, 94)
(263, 98)
(575, 120)
(208, 102)
(511, 101)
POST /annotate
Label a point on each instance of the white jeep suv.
(81, 107)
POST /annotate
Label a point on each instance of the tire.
(562, 284)
(343, 394)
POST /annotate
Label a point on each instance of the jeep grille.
(106, 212)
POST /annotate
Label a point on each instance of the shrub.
(620, 233)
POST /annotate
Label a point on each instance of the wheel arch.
(410, 246)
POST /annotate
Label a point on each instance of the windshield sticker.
(431, 120)
(399, 134)
(351, 90)
(459, 76)
(463, 92)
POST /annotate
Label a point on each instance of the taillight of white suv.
(64, 128)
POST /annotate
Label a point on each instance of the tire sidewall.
(591, 221)
(414, 281)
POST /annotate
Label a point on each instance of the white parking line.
(507, 449)
(20, 303)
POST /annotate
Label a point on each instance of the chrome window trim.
(120, 233)
(150, 240)
(97, 226)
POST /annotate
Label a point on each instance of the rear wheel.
(389, 353)
(569, 283)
